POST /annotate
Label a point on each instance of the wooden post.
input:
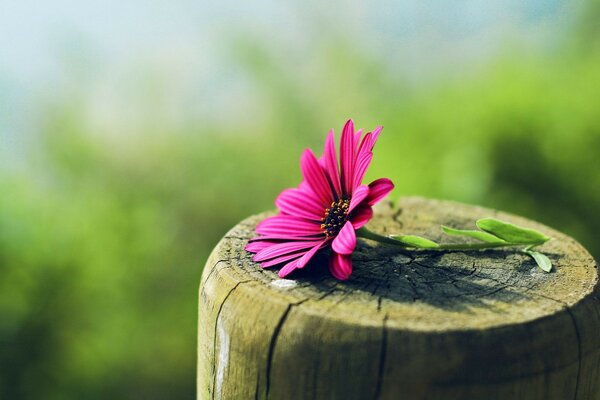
(454, 325)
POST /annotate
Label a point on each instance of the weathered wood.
(454, 325)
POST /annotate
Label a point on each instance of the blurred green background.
(132, 137)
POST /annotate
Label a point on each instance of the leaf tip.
(415, 241)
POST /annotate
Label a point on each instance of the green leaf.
(415, 241)
(479, 235)
(541, 259)
(511, 233)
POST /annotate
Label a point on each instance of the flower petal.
(255, 247)
(279, 260)
(347, 156)
(357, 136)
(301, 262)
(279, 238)
(361, 216)
(375, 135)
(288, 268)
(358, 196)
(365, 145)
(378, 189)
(345, 241)
(331, 164)
(287, 225)
(300, 203)
(360, 168)
(309, 255)
(280, 249)
(368, 142)
(340, 266)
(314, 175)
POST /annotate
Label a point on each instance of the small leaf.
(415, 241)
(511, 233)
(541, 259)
(479, 235)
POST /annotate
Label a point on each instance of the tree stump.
(428, 325)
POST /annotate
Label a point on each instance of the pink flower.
(326, 208)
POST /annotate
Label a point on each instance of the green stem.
(367, 234)
(475, 246)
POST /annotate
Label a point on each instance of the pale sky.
(44, 44)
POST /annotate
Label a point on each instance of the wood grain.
(421, 325)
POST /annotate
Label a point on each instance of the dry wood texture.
(428, 325)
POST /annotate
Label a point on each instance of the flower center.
(335, 217)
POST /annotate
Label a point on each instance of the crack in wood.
(273, 342)
(215, 334)
(382, 357)
(579, 356)
(257, 390)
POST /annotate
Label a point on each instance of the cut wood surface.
(420, 325)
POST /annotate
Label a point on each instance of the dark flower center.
(335, 217)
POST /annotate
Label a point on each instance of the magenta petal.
(301, 262)
(315, 177)
(340, 266)
(287, 225)
(288, 268)
(347, 156)
(365, 145)
(361, 216)
(378, 189)
(255, 247)
(307, 257)
(278, 238)
(375, 134)
(362, 164)
(305, 189)
(368, 142)
(358, 196)
(282, 259)
(345, 241)
(357, 136)
(300, 203)
(331, 164)
(280, 249)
